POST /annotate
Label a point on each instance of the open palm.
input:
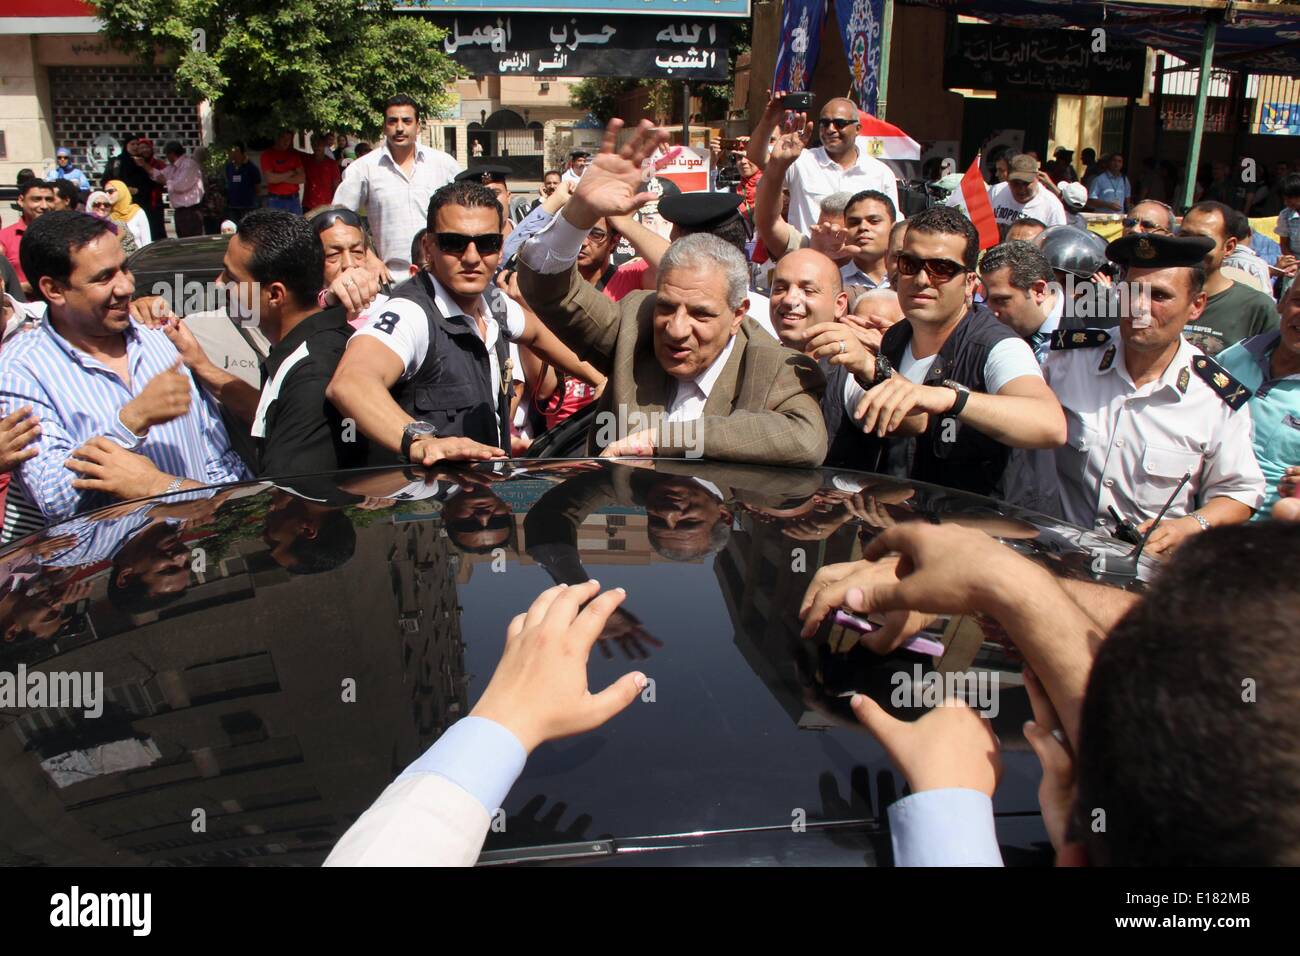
(611, 184)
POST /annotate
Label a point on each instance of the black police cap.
(701, 211)
(1147, 251)
(484, 174)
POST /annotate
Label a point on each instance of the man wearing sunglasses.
(841, 163)
(1150, 216)
(957, 390)
(429, 376)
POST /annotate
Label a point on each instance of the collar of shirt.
(421, 154)
(1168, 379)
(1261, 348)
(704, 381)
(711, 488)
(447, 305)
(1053, 319)
(131, 334)
(823, 159)
(851, 274)
(300, 333)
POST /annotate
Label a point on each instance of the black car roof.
(273, 654)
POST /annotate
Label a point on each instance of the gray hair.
(836, 203)
(688, 251)
(1027, 264)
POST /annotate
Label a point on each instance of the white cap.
(1074, 194)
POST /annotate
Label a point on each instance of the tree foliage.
(289, 64)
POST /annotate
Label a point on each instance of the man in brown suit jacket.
(689, 374)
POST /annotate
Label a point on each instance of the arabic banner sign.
(801, 43)
(545, 45)
(861, 22)
(1057, 61)
(671, 8)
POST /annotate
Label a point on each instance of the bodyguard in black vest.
(429, 376)
(957, 389)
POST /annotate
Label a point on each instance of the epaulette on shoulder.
(1079, 339)
(1233, 392)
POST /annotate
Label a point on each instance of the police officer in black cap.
(714, 213)
(494, 178)
(1144, 407)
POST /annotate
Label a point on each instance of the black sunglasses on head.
(473, 526)
(326, 220)
(836, 121)
(456, 243)
(939, 270)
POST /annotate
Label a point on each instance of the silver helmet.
(1075, 251)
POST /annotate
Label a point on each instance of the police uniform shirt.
(1128, 447)
(408, 334)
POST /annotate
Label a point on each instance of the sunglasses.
(326, 220)
(473, 526)
(456, 243)
(598, 235)
(1146, 226)
(939, 270)
(837, 122)
(101, 205)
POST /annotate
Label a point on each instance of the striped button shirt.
(396, 205)
(77, 398)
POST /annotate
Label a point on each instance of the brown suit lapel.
(722, 399)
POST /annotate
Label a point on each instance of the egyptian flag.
(887, 140)
(972, 198)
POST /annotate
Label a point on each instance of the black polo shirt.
(298, 431)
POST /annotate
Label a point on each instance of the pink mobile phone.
(918, 644)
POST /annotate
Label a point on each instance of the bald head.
(1151, 217)
(806, 291)
(879, 309)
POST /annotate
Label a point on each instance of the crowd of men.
(1149, 387)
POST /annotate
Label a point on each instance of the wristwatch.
(963, 394)
(883, 370)
(413, 432)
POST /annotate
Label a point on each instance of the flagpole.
(886, 32)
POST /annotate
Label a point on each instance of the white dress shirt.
(688, 403)
(1128, 447)
(814, 176)
(396, 205)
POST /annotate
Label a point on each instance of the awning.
(1259, 38)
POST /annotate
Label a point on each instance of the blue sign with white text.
(672, 8)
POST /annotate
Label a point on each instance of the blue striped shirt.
(77, 398)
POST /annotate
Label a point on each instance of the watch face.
(420, 430)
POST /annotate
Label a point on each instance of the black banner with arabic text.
(532, 44)
(1054, 61)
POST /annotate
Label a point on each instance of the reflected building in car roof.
(234, 737)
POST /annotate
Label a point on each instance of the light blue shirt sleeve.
(529, 226)
(479, 756)
(949, 827)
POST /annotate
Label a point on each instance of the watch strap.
(963, 394)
